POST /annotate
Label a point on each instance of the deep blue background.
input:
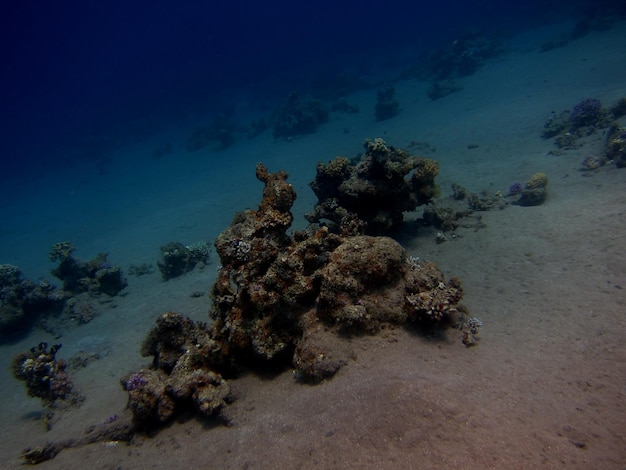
(90, 69)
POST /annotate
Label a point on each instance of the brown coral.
(285, 300)
(377, 189)
(268, 303)
(182, 372)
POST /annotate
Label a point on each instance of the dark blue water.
(94, 70)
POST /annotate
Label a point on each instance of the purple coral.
(586, 112)
(135, 381)
(514, 189)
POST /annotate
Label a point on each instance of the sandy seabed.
(545, 387)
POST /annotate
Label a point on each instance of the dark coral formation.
(442, 88)
(535, 190)
(460, 58)
(178, 259)
(97, 276)
(79, 309)
(301, 114)
(370, 196)
(279, 290)
(45, 376)
(485, 201)
(586, 113)
(221, 131)
(463, 57)
(22, 301)
(446, 218)
(585, 118)
(387, 106)
(616, 145)
(181, 375)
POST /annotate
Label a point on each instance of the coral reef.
(586, 113)
(457, 59)
(534, 192)
(333, 85)
(515, 189)
(22, 301)
(537, 181)
(301, 114)
(387, 106)
(181, 376)
(370, 195)
(178, 259)
(618, 109)
(569, 126)
(593, 162)
(616, 145)
(97, 276)
(45, 376)
(79, 309)
(556, 124)
(444, 217)
(458, 192)
(221, 130)
(470, 331)
(283, 301)
(485, 201)
(442, 88)
(140, 269)
(278, 299)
